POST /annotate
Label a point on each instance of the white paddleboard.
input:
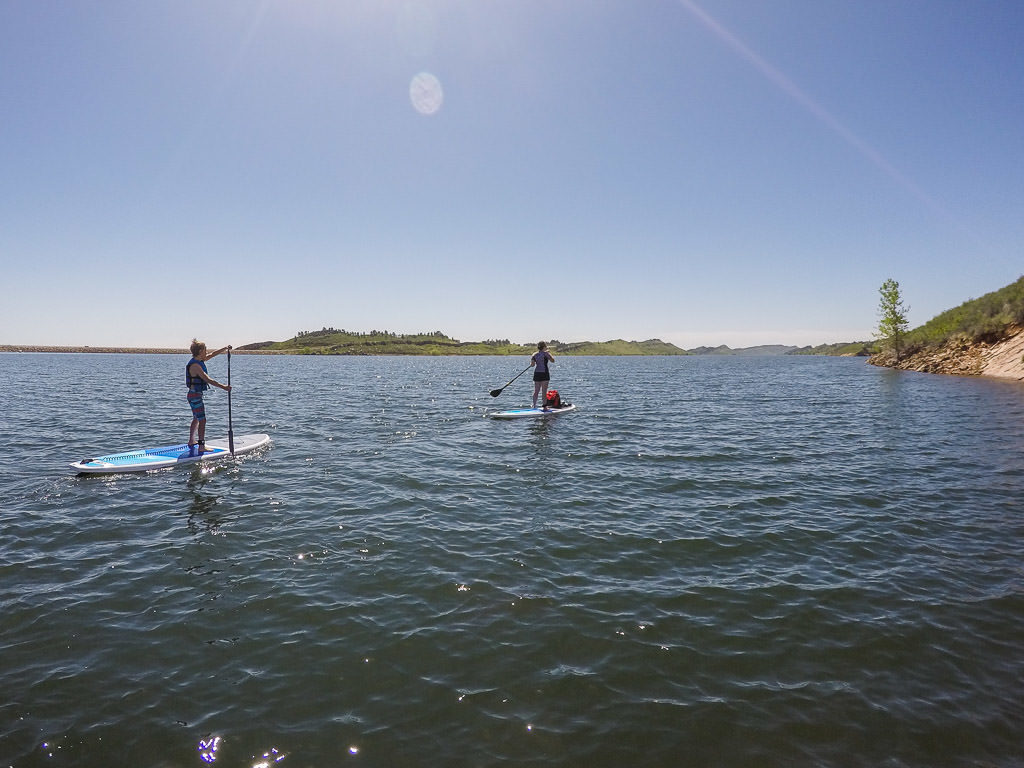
(145, 459)
(526, 413)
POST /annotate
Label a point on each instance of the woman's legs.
(540, 388)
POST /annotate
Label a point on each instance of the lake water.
(783, 561)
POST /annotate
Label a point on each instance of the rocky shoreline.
(1003, 359)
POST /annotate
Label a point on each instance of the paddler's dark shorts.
(195, 401)
(541, 376)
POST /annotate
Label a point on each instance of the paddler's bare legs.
(540, 387)
(197, 433)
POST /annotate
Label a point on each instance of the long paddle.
(231, 432)
(496, 392)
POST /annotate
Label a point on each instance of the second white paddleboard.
(527, 413)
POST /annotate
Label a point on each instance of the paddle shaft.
(496, 392)
(231, 432)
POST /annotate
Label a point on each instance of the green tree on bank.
(892, 318)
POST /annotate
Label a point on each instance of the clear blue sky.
(700, 171)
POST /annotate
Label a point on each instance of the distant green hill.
(617, 347)
(842, 349)
(763, 349)
(984, 319)
(331, 341)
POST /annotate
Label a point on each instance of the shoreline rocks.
(1003, 359)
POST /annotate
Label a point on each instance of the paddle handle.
(231, 432)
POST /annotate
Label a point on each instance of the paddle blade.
(495, 392)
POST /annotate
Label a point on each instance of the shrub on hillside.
(984, 319)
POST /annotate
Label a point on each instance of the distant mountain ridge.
(763, 349)
(331, 341)
(841, 349)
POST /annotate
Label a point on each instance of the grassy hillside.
(758, 351)
(984, 319)
(331, 341)
(842, 349)
(617, 347)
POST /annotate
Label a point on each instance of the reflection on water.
(203, 498)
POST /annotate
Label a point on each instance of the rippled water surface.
(713, 562)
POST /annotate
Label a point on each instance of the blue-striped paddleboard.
(526, 413)
(146, 459)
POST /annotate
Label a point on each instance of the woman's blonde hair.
(197, 347)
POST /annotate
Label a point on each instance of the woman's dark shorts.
(541, 376)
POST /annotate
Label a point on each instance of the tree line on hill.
(325, 331)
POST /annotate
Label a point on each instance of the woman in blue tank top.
(198, 381)
(541, 372)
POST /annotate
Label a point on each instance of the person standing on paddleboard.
(198, 381)
(541, 372)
